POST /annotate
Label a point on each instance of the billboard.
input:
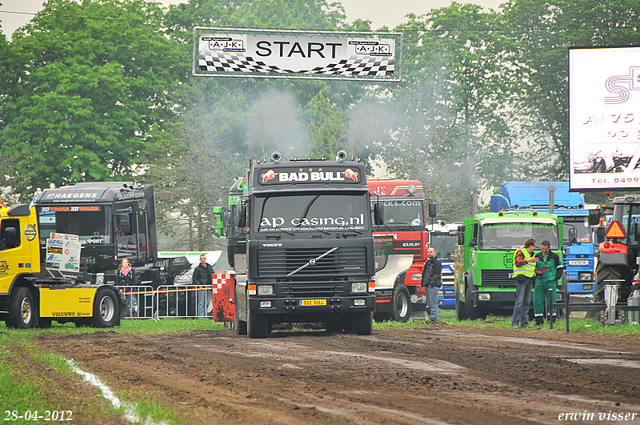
(604, 118)
(224, 52)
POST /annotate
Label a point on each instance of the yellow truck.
(30, 297)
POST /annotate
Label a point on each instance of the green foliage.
(100, 90)
(91, 87)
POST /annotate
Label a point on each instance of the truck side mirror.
(217, 211)
(600, 235)
(460, 237)
(10, 237)
(473, 242)
(432, 209)
(573, 235)
(242, 216)
(378, 214)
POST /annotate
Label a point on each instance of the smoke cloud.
(275, 125)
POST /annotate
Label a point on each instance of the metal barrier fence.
(143, 302)
(184, 301)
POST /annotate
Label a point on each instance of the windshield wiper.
(312, 261)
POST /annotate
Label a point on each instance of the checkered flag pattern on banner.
(355, 65)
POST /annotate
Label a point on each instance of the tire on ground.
(106, 309)
(257, 326)
(22, 314)
(363, 323)
(460, 307)
(401, 304)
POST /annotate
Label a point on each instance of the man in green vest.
(547, 275)
(523, 272)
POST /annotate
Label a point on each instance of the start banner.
(296, 54)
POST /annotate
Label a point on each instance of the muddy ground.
(433, 374)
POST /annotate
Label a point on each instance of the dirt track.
(434, 374)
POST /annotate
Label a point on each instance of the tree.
(541, 33)
(92, 86)
(456, 137)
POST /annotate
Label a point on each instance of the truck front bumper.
(304, 306)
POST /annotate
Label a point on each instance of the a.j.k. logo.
(4, 267)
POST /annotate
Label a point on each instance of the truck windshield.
(444, 244)
(509, 236)
(582, 230)
(310, 212)
(402, 214)
(88, 222)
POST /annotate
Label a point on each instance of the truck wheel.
(470, 311)
(363, 323)
(605, 272)
(240, 325)
(22, 314)
(106, 313)
(401, 304)
(460, 307)
(257, 326)
(381, 317)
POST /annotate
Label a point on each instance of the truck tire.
(470, 311)
(106, 309)
(240, 325)
(22, 314)
(363, 323)
(257, 326)
(401, 304)
(460, 307)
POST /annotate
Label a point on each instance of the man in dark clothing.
(202, 277)
(547, 274)
(432, 281)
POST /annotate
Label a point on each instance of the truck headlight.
(585, 276)
(484, 297)
(587, 287)
(359, 302)
(416, 276)
(359, 286)
(265, 290)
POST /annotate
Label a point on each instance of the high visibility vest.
(528, 269)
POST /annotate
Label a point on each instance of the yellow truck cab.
(28, 298)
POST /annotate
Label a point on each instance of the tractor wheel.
(605, 272)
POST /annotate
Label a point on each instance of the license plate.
(578, 262)
(309, 303)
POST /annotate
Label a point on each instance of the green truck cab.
(484, 258)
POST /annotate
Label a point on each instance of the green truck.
(484, 258)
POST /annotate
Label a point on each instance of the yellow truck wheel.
(106, 309)
(22, 312)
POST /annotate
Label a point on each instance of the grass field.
(22, 388)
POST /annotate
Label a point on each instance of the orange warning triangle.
(615, 231)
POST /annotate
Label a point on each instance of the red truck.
(401, 246)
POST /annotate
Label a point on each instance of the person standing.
(202, 277)
(547, 274)
(523, 273)
(432, 281)
(126, 276)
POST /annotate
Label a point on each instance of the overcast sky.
(15, 13)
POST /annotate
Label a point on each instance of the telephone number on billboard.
(620, 180)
